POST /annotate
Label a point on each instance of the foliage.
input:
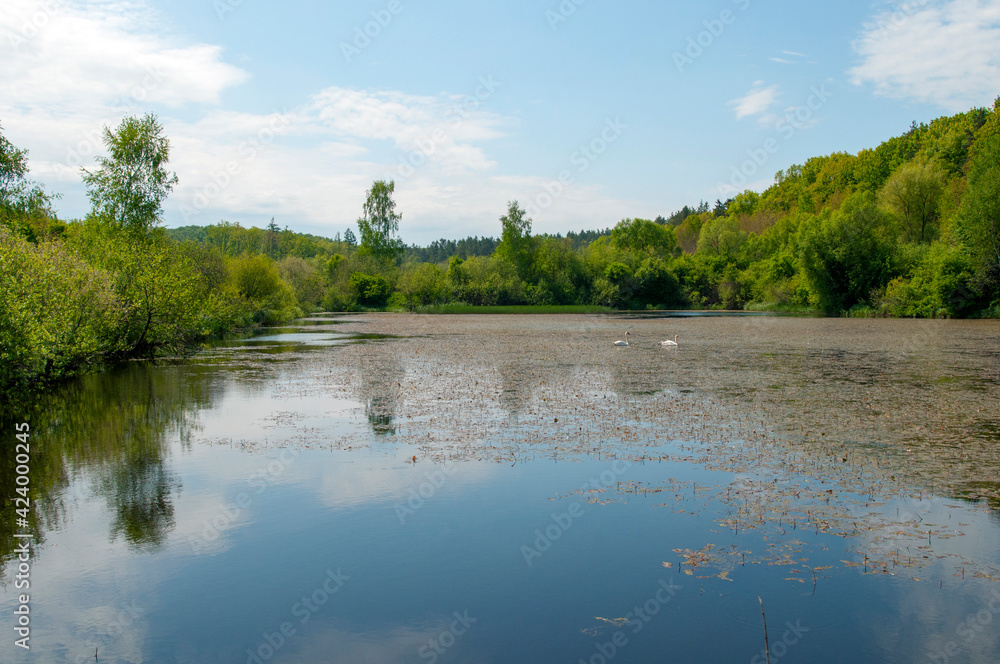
(937, 287)
(131, 184)
(515, 239)
(978, 224)
(913, 194)
(58, 314)
(257, 281)
(380, 223)
(370, 290)
(908, 228)
(423, 284)
(848, 254)
(305, 280)
(25, 208)
(644, 236)
(721, 237)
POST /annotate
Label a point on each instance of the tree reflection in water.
(380, 389)
(114, 428)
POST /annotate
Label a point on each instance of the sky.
(585, 111)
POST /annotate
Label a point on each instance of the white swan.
(668, 342)
(623, 343)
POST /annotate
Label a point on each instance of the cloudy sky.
(586, 111)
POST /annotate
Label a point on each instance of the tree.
(645, 237)
(24, 206)
(515, 240)
(721, 236)
(13, 171)
(349, 238)
(979, 217)
(380, 223)
(132, 182)
(913, 194)
(271, 240)
(689, 231)
(846, 255)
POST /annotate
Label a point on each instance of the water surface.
(388, 488)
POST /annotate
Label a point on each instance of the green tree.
(257, 280)
(689, 231)
(979, 216)
(515, 239)
(57, 313)
(644, 237)
(24, 206)
(131, 184)
(846, 255)
(721, 237)
(913, 194)
(422, 284)
(380, 223)
(371, 290)
(13, 171)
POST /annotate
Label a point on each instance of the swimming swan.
(623, 343)
(668, 342)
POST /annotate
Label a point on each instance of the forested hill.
(908, 228)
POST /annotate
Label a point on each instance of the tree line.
(909, 228)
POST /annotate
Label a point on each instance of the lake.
(405, 488)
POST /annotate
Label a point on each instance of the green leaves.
(913, 194)
(380, 223)
(128, 189)
(515, 240)
(644, 236)
(846, 255)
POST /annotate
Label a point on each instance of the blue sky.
(585, 111)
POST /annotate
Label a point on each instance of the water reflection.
(380, 388)
(116, 424)
(806, 516)
(139, 490)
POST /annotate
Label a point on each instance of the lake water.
(393, 488)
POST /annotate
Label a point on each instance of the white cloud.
(756, 102)
(85, 65)
(944, 53)
(88, 55)
(71, 68)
